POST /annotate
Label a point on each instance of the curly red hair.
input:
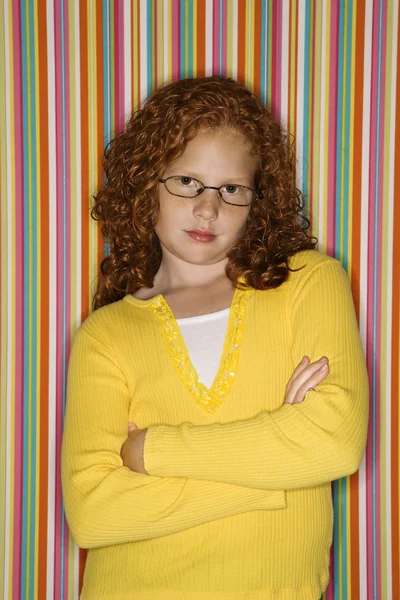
(155, 136)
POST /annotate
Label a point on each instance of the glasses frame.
(257, 196)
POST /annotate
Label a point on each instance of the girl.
(214, 321)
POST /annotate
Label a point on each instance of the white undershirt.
(204, 337)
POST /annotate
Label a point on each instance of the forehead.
(223, 154)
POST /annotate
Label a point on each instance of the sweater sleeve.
(301, 445)
(105, 502)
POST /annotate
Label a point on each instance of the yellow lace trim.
(208, 399)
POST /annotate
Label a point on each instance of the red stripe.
(201, 37)
(242, 24)
(355, 271)
(257, 47)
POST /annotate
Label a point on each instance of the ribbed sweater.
(237, 499)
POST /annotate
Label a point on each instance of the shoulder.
(309, 260)
(316, 275)
(104, 323)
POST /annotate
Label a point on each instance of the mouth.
(201, 235)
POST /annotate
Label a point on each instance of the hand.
(132, 449)
(305, 377)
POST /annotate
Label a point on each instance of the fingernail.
(323, 367)
(305, 358)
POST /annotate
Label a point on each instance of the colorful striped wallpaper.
(70, 73)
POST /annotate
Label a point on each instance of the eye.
(185, 180)
(232, 188)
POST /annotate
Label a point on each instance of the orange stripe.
(44, 291)
(201, 38)
(355, 270)
(395, 352)
(242, 24)
(257, 47)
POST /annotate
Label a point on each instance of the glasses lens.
(183, 186)
(237, 194)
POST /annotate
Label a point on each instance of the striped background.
(70, 72)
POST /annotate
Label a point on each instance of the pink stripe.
(224, 38)
(117, 60)
(276, 59)
(215, 41)
(66, 294)
(332, 140)
(19, 300)
(175, 40)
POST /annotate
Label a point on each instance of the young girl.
(230, 347)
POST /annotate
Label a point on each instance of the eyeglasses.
(231, 193)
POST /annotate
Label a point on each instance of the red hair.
(155, 136)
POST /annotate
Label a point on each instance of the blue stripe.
(26, 242)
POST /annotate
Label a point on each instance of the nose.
(206, 205)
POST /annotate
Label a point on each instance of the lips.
(201, 235)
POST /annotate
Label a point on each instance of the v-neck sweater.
(237, 499)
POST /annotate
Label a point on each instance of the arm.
(105, 502)
(298, 445)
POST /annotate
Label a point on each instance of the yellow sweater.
(237, 502)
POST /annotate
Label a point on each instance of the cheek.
(238, 222)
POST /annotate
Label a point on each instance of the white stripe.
(235, 40)
(322, 133)
(10, 303)
(209, 37)
(127, 19)
(300, 94)
(52, 299)
(167, 74)
(364, 275)
(285, 63)
(143, 50)
(389, 306)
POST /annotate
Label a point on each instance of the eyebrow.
(187, 173)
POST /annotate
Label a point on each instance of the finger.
(312, 382)
(301, 378)
(132, 427)
(305, 361)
